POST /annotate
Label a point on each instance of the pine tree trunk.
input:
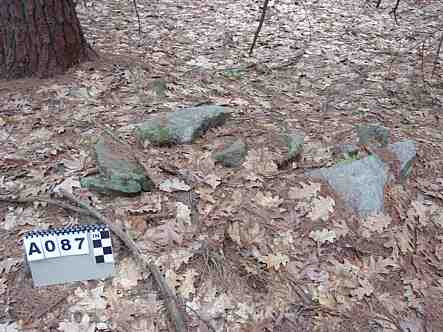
(40, 38)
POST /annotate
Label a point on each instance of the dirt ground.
(244, 249)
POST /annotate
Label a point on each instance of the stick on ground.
(262, 19)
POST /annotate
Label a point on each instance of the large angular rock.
(182, 126)
(406, 153)
(360, 184)
(119, 171)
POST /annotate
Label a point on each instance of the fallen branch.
(262, 19)
(86, 209)
(33, 199)
(138, 18)
(170, 298)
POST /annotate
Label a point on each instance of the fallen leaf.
(418, 213)
(365, 289)
(20, 216)
(261, 162)
(89, 300)
(321, 207)
(376, 223)
(234, 233)
(166, 233)
(67, 185)
(72, 326)
(172, 279)
(186, 288)
(323, 236)
(9, 265)
(127, 275)
(275, 261)
(373, 266)
(174, 184)
(213, 180)
(267, 200)
(183, 213)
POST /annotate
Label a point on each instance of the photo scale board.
(60, 255)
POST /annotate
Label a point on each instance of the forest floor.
(248, 261)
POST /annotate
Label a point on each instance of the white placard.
(34, 250)
(73, 244)
(50, 246)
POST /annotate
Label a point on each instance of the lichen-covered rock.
(119, 171)
(373, 135)
(294, 141)
(359, 183)
(182, 126)
(232, 155)
(406, 154)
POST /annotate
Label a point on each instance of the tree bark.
(40, 38)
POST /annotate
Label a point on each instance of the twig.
(138, 18)
(394, 11)
(169, 297)
(262, 19)
(33, 199)
(437, 54)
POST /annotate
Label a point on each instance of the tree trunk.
(40, 38)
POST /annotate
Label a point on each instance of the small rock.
(119, 172)
(182, 126)
(359, 183)
(375, 135)
(233, 155)
(406, 154)
(295, 141)
(160, 87)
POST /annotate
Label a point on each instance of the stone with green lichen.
(294, 141)
(406, 154)
(374, 135)
(233, 155)
(119, 171)
(105, 185)
(182, 126)
(160, 87)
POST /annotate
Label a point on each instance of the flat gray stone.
(360, 184)
(295, 141)
(406, 153)
(373, 135)
(182, 126)
(233, 155)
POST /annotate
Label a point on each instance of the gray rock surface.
(182, 126)
(295, 141)
(406, 153)
(373, 135)
(233, 155)
(360, 184)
